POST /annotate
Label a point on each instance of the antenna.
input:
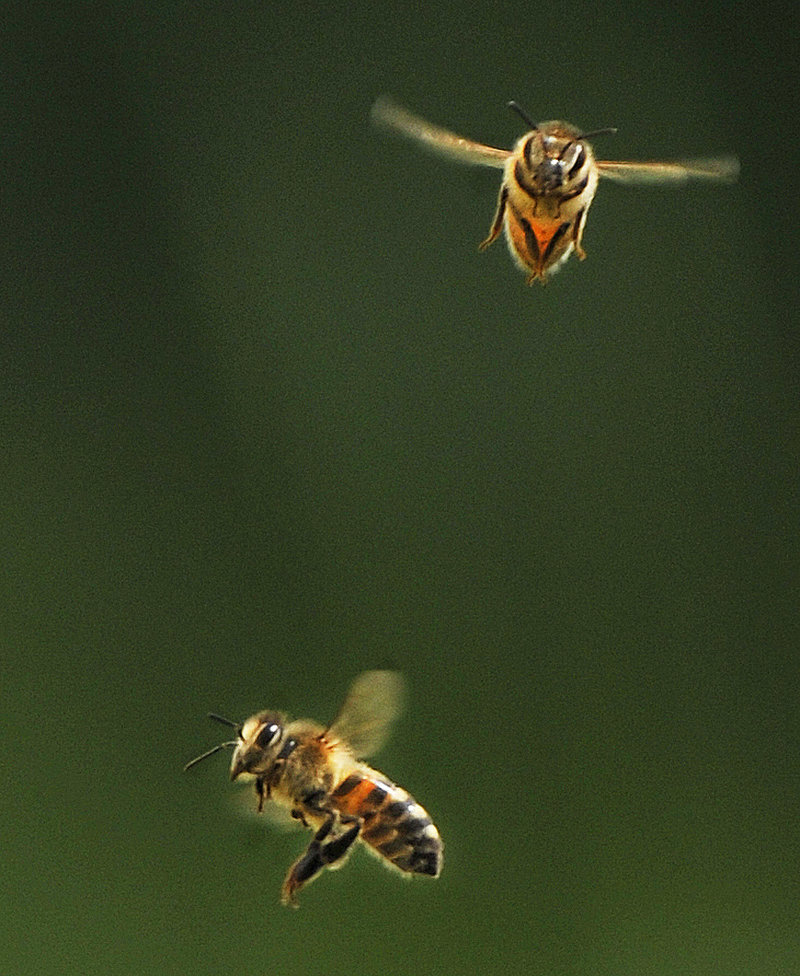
(598, 132)
(211, 752)
(223, 745)
(226, 721)
(516, 107)
(586, 135)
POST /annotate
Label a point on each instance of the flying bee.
(549, 181)
(317, 773)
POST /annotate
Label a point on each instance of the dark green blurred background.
(269, 418)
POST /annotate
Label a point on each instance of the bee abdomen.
(393, 823)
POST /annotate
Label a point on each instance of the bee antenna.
(516, 107)
(210, 752)
(597, 132)
(225, 721)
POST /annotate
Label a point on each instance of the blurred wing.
(725, 169)
(386, 113)
(374, 701)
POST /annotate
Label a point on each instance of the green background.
(269, 419)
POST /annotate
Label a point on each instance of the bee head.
(259, 742)
(554, 153)
(255, 746)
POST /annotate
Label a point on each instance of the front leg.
(262, 792)
(317, 856)
(497, 223)
(577, 233)
(266, 784)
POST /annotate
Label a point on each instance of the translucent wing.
(374, 701)
(725, 169)
(386, 113)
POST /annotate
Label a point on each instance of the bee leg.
(497, 223)
(577, 234)
(299, 815)
(262, 792)
(318, 855)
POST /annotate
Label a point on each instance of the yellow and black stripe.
(392, 823)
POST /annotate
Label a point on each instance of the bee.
(549, 181)
(317, 774)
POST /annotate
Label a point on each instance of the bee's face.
(551, 159)
(259, 742)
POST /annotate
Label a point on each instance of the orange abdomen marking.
(392, 822)
(538, 242)
(354, 796)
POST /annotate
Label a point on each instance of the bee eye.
(580, 159)
(267, 735)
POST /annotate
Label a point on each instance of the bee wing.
(387, 113)
(374, 701)
(724, 169)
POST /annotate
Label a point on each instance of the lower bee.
(317, 774)
(549, 181)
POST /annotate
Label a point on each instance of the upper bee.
(549, 181)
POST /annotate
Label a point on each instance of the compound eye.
(580, 159)
(267, 735)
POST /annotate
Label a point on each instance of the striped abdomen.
(392, 822)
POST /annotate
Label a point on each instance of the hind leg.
(320, 853)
